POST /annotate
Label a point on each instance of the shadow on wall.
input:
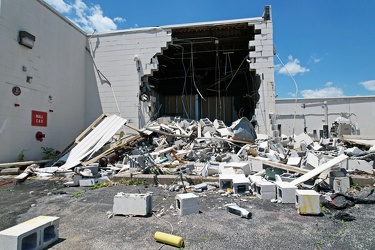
(93, 105)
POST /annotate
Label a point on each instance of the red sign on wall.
(38, 118)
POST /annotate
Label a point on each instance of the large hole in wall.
(204, 73)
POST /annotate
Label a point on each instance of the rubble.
(186, 153)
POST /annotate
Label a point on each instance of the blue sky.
(328, 46)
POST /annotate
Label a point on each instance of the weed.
(323, 209)
(78, 194)
(49, 153)
(100, 185)
(130, 182)
(21, 156)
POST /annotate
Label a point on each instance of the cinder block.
(226, 180)
(34, 234)
(187, 204)
(294, 161)
(244, 166)
(219, 124)
(307, 202)
(286, 192)
(132, 204)
(86, 182)
(312, 161)
(340, 184)
(304, 138)
(256, 165)
(265, 190)
(224, 132)
(241, 184)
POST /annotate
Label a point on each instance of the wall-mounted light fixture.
(26, 39)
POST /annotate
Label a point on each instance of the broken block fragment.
(187, 203)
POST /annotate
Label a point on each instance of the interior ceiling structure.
(207, 60)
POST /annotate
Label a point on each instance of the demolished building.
(62, 79)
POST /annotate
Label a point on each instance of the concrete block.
(307, 202)
(76, 179)
(243, 166)
(87, 182)
(294, 161)
(93, 168)
(34, 234)
(226, 171)
(226, 180)
(265, 190)
(187, 204)
(286, 192)
(340, 184)
(361, 165)
(312, 161)
(304, 138)
(257, 165)
(132, 204)
(206, 122)
(225, 132)
(208, 129)
(219, 124)
(241, 184)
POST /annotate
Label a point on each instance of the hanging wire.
(185, 77)
(193, 70)
(101, 76)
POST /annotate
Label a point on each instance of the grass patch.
(78, 194)
(100, 185)
(131, 182)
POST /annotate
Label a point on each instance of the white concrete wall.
(360, 110)
(57, 65)
(262, 62)
(114, 54)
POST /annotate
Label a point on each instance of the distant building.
(311, 114)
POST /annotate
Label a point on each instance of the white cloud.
(315, 59)
(369, 85)
(324, 92)
(87, 18)
(119, 19)
(292, 67)
(59, 5)
(328, 84)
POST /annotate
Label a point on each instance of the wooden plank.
(281, 166)
(111, 150)
(319, 169)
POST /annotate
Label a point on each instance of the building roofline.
(325, 98)
(62, 17)
(185, 25)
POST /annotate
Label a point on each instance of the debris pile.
(239, 161)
